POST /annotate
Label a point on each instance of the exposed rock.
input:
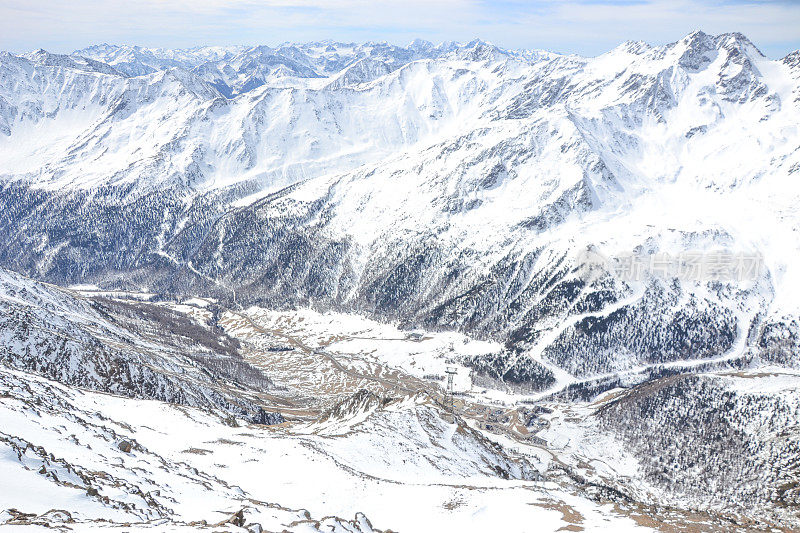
(236, 519)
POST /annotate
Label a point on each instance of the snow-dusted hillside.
(62, 467)
(128, 348)
(726, 442)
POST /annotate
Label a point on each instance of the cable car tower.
(448, 397)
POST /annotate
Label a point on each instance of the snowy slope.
(493, 465)
(61, 463)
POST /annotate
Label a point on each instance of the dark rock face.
(267, 419)
(237, 519)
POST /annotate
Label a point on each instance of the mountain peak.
(420, 44)
(698, 49)
(634, 47)
(476, 42)
(739, 42)
(698, 39)
(792, 59)
(696, 35)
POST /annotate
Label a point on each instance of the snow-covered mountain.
(602, 253)
(237, 69)
(452, 186)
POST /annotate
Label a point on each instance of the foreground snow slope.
(60, 453)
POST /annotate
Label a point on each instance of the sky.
(586, 27)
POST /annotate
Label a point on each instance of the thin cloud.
(587, 27)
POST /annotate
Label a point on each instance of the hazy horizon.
(586, 27)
